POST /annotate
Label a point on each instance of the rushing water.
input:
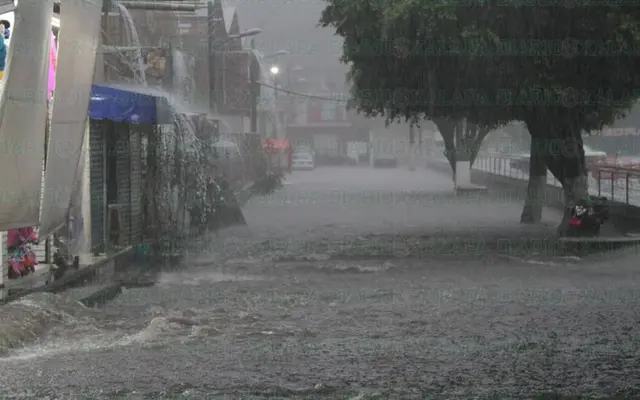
(47, 324)
(422, 313)
(134, 39)
(181, 79)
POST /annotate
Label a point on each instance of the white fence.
(615, 183)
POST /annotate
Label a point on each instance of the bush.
(268, 183)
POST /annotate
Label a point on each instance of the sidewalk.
(96, 276)
(615, 190)
(92, 269)
(513, 182)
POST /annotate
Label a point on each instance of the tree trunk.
(476, 142)
(462, 141)
(412, 147)
(576, 183)
(463, 157)
(447, 131)
(532, 211)
(563, 153)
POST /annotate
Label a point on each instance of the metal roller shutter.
(97, 182)
(123, 172)
(136, 187)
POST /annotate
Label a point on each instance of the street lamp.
(247, 33)
(255, 75)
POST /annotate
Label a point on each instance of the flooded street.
(349, 283)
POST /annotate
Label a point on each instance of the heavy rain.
(252, 200)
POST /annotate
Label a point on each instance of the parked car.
(303, 160)
(592, 157)
(384, 161)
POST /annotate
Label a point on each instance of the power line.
(309, 96)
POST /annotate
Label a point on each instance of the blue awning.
(124, 105)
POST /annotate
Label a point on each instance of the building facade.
(322, 122)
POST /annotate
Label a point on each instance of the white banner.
(7, 6)
(77, 48)
(77, 243)
(23, 108)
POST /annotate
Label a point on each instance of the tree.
(400, 69)
(560, 70)
(574, 71)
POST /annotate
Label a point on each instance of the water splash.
(181, 76)
(27, 321)
(135, 40)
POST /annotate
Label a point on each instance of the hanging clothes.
(18, 236)
(22, 259)
(3, 57)
(6, 34)
(53, 65)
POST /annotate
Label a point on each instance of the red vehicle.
(279, 153)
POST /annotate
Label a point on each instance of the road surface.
(349, 283)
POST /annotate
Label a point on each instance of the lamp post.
(254, 71)
(275, 70)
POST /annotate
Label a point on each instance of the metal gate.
(97, 180)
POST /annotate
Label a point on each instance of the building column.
(85, 253)
(4, 275)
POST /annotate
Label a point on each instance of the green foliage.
(570, 68)
(268, 183)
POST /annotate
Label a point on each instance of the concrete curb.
(103, 295)
(101, 270)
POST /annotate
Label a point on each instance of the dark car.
(385, 162)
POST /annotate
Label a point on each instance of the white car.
(592, 156)
(303, 161)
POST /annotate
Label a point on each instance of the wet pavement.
(349, 283)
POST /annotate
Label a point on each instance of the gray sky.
(292, 25)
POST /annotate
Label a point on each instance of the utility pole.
(106, 7)
(254, 71)
(213, 76)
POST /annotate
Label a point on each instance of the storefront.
(121, 122)
(25, 127)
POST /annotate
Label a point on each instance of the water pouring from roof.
(181, 79)
(132, 33)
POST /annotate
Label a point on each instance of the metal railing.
(615, 183)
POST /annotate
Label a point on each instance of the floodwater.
(421, 296)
